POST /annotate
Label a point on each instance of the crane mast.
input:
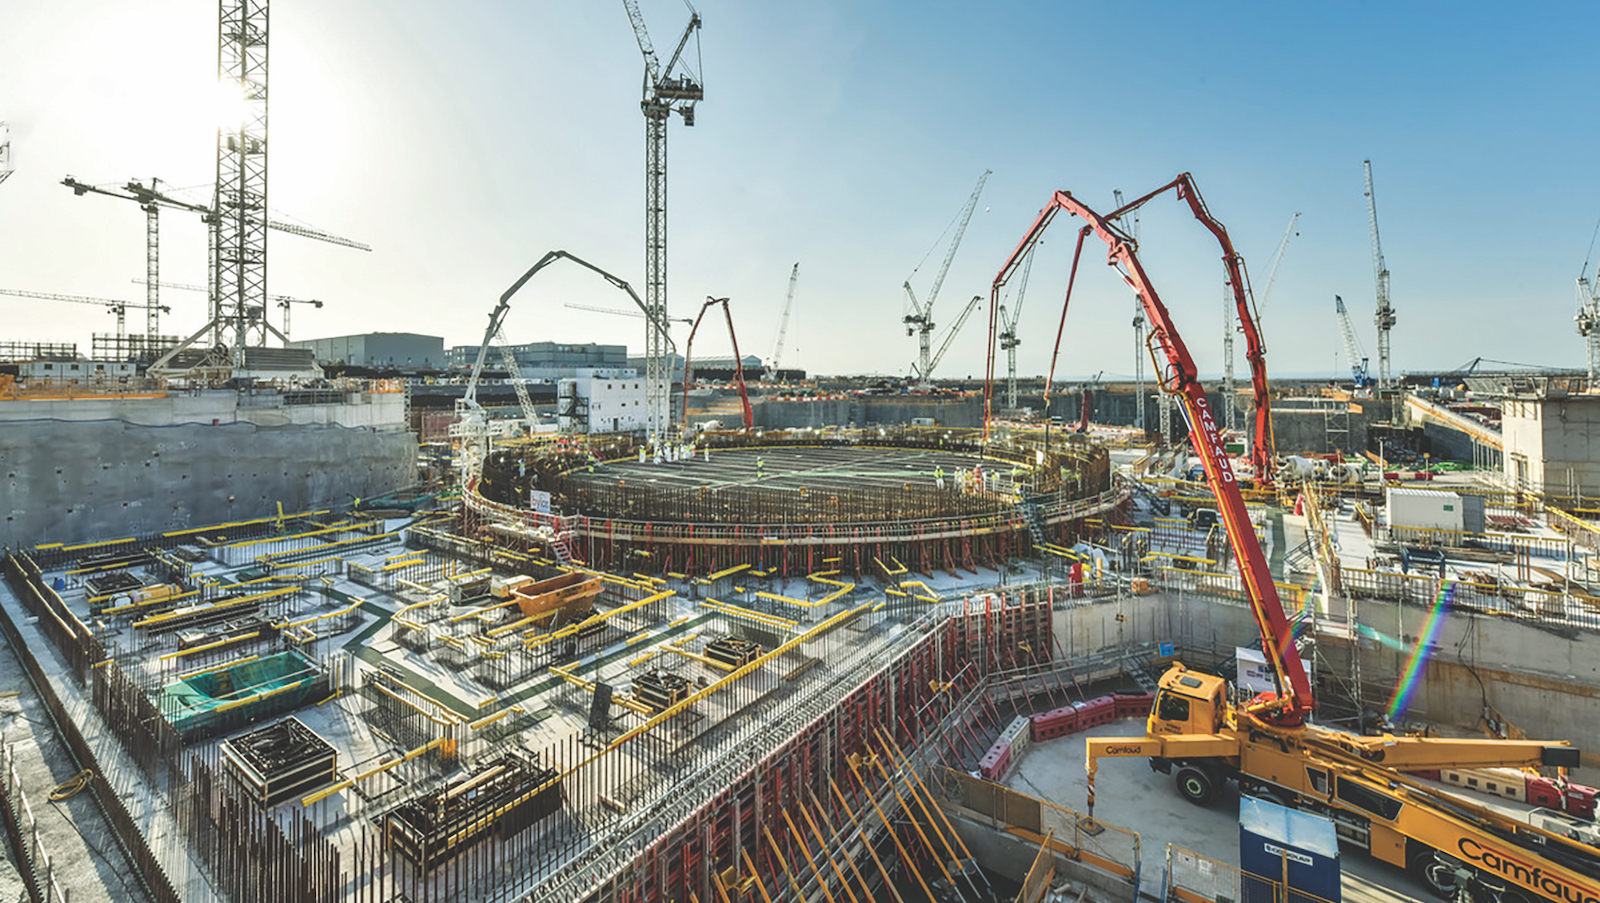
(239, 228)
(1008, 332)
(663, 94)
(783, 323)
(1139, 350)
(1384, 316)
(920, 320)
(1588, 322)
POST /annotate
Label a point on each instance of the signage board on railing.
(1253, 674)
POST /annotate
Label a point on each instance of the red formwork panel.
(1055, 723)
(1542, 791)
(1132, 705)
(1580, 800)
(1097, 711)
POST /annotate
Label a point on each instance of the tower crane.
(116, 306)
(663, 94)
(950, 336)
(6, 166)
(1352, 351)
(1588, 321)
(1384, 316)
(1587, 316)
(283, 301)
(151, 199)
(1008, 332)
(286, 303)
(1139, 349)
(738, 363)
(617, 311)
(783, 323)
(919, 321)
(146, 198)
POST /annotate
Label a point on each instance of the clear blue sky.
(464, 140)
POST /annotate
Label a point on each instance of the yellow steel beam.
(732, 676)
(209, 646)
(704, 660)
(226, 603)
(218, 667)
(257, 697)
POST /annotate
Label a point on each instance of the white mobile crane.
(783, 323)
(1352, 351)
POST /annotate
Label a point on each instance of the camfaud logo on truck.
(1556, 887)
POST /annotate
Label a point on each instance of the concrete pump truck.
(1268, 746)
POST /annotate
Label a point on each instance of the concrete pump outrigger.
(1267, 746)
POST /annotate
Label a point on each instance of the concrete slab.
(1129, 794)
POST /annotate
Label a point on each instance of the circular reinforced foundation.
(801, 507)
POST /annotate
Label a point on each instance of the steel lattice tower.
(664, 94)
(239, 226)
(657, 357)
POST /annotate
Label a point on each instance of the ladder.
(1034, 515)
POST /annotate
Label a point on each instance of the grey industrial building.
(382, 350)
(547, 360)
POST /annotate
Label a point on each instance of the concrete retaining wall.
(1546, 685)
(75, 481)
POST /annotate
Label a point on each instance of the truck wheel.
(1197, 785)
(1436, 871)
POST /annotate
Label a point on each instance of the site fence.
(1109, 848)
(22, 829)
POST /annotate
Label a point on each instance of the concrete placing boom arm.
(738, 364)
(498, 315)
(1179, 377)
(1238, 281)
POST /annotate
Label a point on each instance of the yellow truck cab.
(1187, 702)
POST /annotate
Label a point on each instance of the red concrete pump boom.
(738, 364)
(1179, 377)
(1261, 456)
